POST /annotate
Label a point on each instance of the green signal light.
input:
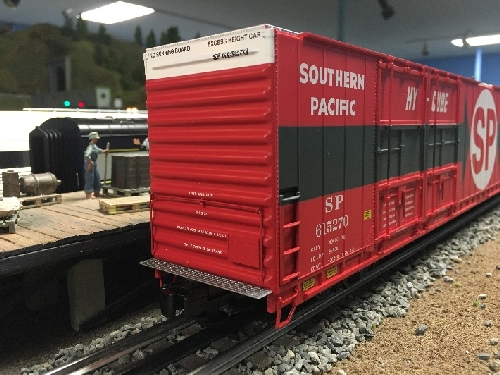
(67, 103)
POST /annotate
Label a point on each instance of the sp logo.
(483, 139)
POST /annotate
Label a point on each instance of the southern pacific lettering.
(323, 75)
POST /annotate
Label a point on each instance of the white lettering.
(313, 74)
(329, 202)
(439, 102)
(353, 80)
(316, 267)
(323, 77)
(443, 102)
(315, 248)
(331, 72)
(346, 79)
(314, 104)
(200, 194)
(323, 110)
(338, 75)
(328, 76)
(332, 106)
(361, 81)
(338, 200)
(303, 73)
(316, 257)
(411, 98)
(331, 226)
(331, 111)
(344, 103)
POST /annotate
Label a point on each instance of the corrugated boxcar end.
(212, 139)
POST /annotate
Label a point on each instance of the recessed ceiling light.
(475, 41)
(116, 12)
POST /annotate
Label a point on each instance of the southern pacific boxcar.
(282, 162)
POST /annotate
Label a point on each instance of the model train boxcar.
(282, 162)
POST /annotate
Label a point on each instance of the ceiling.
(434, 22)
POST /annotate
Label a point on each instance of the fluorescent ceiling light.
(116, 12)
(475, 41)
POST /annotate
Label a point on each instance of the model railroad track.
(92, 362)
(165, 355)
(162, 351)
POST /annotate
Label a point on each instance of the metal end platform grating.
(207, 278)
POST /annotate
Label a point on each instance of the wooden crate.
(130, 171)
(125, 204)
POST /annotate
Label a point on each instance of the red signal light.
(81, 104)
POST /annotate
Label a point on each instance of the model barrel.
(39, 184)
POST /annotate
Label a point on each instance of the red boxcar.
(282, 162)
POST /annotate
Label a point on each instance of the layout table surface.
(75, 219)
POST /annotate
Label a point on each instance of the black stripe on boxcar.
(288, 158)
(310, 162)
(321, 160)
(318, 161)
(369, 156)
(441, 143)
(399, 151)
(463, 140)
(335, 148)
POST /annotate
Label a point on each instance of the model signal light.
(69, 104)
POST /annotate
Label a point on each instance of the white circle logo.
(483, 139)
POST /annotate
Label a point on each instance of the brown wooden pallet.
(40, 200)
(125, 204)
(125, 192)
(10, 222)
